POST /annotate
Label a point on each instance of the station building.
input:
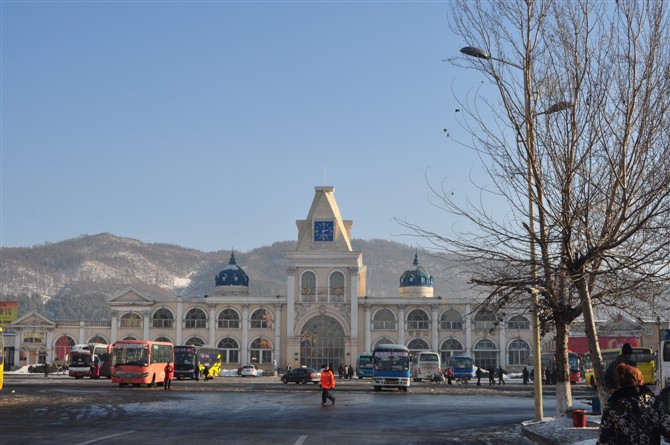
(325, 316)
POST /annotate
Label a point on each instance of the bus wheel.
(378, 388)
(404, 389)
(136, 385)
(122, 385)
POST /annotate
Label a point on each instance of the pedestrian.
(169, 375)
(501, 372)
(205, 373)
(449, 374)
(626, 356)
(95, 370)
(288, 367)
(346, 370)
(632, 415)
(351, 372)
(340, 371)
(478, 373)
(46, 369)
(492, 376)
(327, 384)
(547, 376)
(525, 375)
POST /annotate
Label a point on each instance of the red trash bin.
(579, 418)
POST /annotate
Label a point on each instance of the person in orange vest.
(327, 383)
(169, 374)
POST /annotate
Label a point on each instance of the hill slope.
(73, 278)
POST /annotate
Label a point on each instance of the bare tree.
(575, 142)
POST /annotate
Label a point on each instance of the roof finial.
(416, 258)
(232, 257)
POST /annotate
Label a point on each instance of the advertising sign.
(9, 312)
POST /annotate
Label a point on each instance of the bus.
(574, 361)
(185, 362)
(86, 355)
(138, 362)
(364, 365)
(664, 360)
(644, 357)
(463, 367)
(391, 367)
(212, 358)
(425, 365)
(2, 359)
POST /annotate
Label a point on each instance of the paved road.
(258, 411)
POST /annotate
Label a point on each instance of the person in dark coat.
(492, 376)
(501, 372)
(478, 374)
(525, 374)
(626, 356)
(351, 372)
(632, 415)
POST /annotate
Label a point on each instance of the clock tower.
(326, 278)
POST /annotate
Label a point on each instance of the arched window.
(131, 320)
(63, 347)
(162, 319)
(261, 319)
(485, 320)
(383, 341)
(418, 344)
(518, 352)
(98, 339)
(229, 319)
(336, 287)
(519, 322)
(486, 354)
(451, 320)
(322, 341)
(231, 350)
(195, 341)
(261, 351)
(417, 320)
(449, 348)
(163, 339)
(383, 319)
(195, 318)
(308, 287)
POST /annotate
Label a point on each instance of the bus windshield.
(131, 354)
(461, 362)
(391, 361)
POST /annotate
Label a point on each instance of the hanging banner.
(9, 312)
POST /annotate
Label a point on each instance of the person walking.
(626, 356)
(449, 374)
(351, 372)
(501, 373)
(632, 415)
(525, 374)
(492, 376)
(340, 371)
(327, 384)
(478, 373)
(169, 375)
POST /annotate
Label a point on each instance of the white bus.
(663, 376)
(425, 365)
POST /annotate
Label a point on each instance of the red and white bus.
(574, 360)
(138, 362)
(87, 357)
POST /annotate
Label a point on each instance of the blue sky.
(208, 124)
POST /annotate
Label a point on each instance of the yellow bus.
(644, 357)
(2, 359)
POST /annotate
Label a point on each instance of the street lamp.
(530, 149)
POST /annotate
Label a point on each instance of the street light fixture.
(530, 147)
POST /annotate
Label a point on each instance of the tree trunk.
(592, 340)
(563, 388)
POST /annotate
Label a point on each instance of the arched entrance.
(322, 341)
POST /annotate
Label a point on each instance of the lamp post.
(530, 164)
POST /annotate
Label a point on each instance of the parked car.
(302, 375)
(249, 371)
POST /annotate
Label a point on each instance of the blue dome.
(232, 275)
(418, 277)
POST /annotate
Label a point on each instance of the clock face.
(323, 230)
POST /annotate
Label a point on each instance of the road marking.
(300, 440)
(106, 437)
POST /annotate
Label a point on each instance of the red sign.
(581, 347)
